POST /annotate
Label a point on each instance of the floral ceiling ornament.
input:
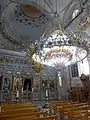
(84, 23)
(60, 48)
(18, 21)
(22, 17)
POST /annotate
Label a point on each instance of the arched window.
(74, 70)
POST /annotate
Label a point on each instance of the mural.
(36, 87)
(36, 83)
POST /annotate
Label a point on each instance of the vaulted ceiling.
(24, 21)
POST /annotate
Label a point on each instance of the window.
(74, 70)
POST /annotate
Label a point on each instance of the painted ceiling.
(24, 21)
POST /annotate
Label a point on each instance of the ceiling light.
(60, 49)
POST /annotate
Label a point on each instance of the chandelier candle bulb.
(22, 89)
(46, 93)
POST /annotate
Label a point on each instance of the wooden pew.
(21, 110)
(85, 116)
(67, 106)
(17, 110)
(58, 105)
(22, 115)
(63, 109)
(81, 113)
(52, 117)
(5, 107)
(25, 114)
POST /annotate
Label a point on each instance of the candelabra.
(46, 105)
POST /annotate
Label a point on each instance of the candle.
(46, 93)
(17, 93)
(32, 89)
(22, 89)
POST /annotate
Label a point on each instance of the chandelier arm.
(81, 4)
(76, 15)
(73, 19)
(65, 7)
(49, 6)
(56, 6)
(45, 32)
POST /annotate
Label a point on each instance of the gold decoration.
(37, 68)
(31, 11)
(31, 50)
(84, 24)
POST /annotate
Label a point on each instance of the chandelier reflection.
(59, 49)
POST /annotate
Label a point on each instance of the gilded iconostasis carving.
(17, 83)
(36, 87)
(7, 84)
(49, 83)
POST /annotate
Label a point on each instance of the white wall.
(62, 90)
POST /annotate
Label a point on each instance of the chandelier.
(60, 48)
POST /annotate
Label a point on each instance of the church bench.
(80, 116)
(65, 107)
(63, 110)
(86, 115)
(76, 110)
(21, 115)
(62, 103)
(76, 114)
(73, 105)
(15, 106)
(68, 105)
(52, 117)
(21, 110)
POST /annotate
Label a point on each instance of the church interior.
(44, 59)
